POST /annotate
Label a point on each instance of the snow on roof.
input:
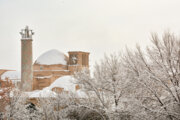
(41, 93)
(66, 82)
(52, 57)
(81, 94)
(43, 77)
(11, 75)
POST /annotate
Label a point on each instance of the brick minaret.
(26, 60)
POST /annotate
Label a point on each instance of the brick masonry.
(26, 65)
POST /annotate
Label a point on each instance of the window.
(73, 59)
(41, 67)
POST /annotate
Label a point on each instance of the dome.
(65, 82)
(52, 57)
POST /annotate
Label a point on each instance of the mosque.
(52, 69)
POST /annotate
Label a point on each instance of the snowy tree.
(5, 89)
(17, 108)
(66, 106)
(107, 88)
(56, 107)
(156, 77)
(147, 82)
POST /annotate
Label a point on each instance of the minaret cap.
(26, 33)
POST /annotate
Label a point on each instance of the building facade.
(53, 64)
(46, 69)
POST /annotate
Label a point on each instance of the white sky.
(97, 26)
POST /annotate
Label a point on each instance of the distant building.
(53, 64)
(52, 69)
(12, 75)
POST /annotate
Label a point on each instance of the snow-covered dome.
(52, 57)
(66, 82)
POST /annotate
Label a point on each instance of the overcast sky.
(96, 26)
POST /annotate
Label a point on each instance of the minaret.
(26, 60)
